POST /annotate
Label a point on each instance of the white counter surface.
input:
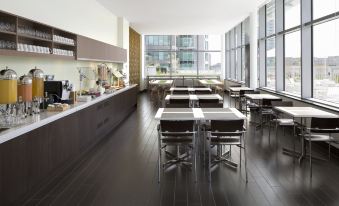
(36, 121)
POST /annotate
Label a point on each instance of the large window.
(326, 61)
(237, 44)
(324, 7)
(292, 13)
(270, 18)
(270, 63)
(182, 54)
(293, 63)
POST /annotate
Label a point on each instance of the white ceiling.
(182, 16)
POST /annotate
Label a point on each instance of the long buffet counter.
(36, 121)
(47, 144)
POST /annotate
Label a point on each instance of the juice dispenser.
(8, 94)
(25, 97)
(37, 76)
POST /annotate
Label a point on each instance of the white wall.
(84, 17)
(62, 69)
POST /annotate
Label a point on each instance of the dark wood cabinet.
(90, 49)
(30, 160)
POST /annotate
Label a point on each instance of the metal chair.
(265, 110)
(208, 101)
(177, 105)
(177, 133)
(180, 92)
(211, 105)
(203, 92)
(226, 132)
(277, 118)
(321, 130)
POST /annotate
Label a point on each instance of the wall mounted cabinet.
(23, 37)
(90, 49)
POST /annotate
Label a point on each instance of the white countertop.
(36, 121)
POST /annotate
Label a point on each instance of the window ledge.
(314, 102)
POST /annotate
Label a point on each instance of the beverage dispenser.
(37, 76)
(8, 95)
(25, 97)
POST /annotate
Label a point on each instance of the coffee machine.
(58, 91)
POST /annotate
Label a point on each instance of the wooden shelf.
(7, 52)
(7, 32)
(34, 38)
(63, 44)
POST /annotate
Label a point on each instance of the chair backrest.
(282, 103)
(179, 101)
(268, 102)
(252, 92)
(181, 86)
(203, 92)
(180, 105)
(200, 86)
(325, 125)
(211, 105)
(170, 126)
(214, 101)
(227, 127)
(180, 92)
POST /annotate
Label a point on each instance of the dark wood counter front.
(32, 159)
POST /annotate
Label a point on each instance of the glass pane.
(211, 42)
(270, 18)
(185, 63)
(243, 67)
(186, 41)
(324, 7)
(292, 13)
(326, 61)
(293, 63)
(209, 63)
(270, 63)
(157, 63)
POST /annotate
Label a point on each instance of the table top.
(306, 112)
(179, 114)
(238, 89)
(193, 97)
(162, 82)
(222, 114)
(210, 82)
(261, 96)
(190, 89)
(198, 114)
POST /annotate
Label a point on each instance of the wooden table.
(210, 82)
(238, 90)
(189, 89)
(303, 113)
(261, 96)
(161, 82)
(193, 97)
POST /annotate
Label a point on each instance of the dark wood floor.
(122, 171)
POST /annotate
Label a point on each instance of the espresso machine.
(37, 76)
(25, 96)
(58, 91)
(8, 96)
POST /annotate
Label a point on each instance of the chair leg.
(310, 158)
(209, 160)
(195, 159)
(269, 132)
(159, 157)
(245, 159)
(204, 146)
(240, 154)
(276, 135)
(329, 151)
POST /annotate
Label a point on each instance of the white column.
(123, 41)
(253, 49)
